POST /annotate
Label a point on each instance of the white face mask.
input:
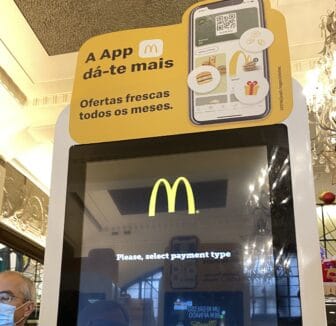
(7, 314)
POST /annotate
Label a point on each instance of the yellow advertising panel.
(225, 66)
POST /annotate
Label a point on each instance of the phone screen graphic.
(183, 274)
(216, 30)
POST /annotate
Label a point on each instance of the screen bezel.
(79, 155)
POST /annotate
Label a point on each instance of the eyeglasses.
(7, 297)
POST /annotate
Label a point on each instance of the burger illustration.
(204, 77)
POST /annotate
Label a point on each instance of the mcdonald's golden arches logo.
(171, 195)
(150, 48)
(234, 62)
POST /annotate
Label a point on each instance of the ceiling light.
(285, 201)
(321, 100)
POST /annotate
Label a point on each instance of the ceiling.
(38, 49)
(63, 26)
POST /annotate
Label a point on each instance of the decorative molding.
(61, 99)
(24, 207)
(12, 88)
(299, 66)
(21, 243)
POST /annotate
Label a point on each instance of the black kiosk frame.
(273, 137)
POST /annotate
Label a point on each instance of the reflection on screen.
(178, 266)
(194, 230)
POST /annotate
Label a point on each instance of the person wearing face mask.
(17, 298)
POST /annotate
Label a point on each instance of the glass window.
(11, 260)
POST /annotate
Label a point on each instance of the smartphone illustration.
(215, 32)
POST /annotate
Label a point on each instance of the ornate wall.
(24, 205)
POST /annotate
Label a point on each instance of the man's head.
(18, 291)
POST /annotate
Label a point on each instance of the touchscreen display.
(179, 236)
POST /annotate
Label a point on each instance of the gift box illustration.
(251, 88)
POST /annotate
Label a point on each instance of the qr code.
(226, 24)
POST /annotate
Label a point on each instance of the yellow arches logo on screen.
(171, 195)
